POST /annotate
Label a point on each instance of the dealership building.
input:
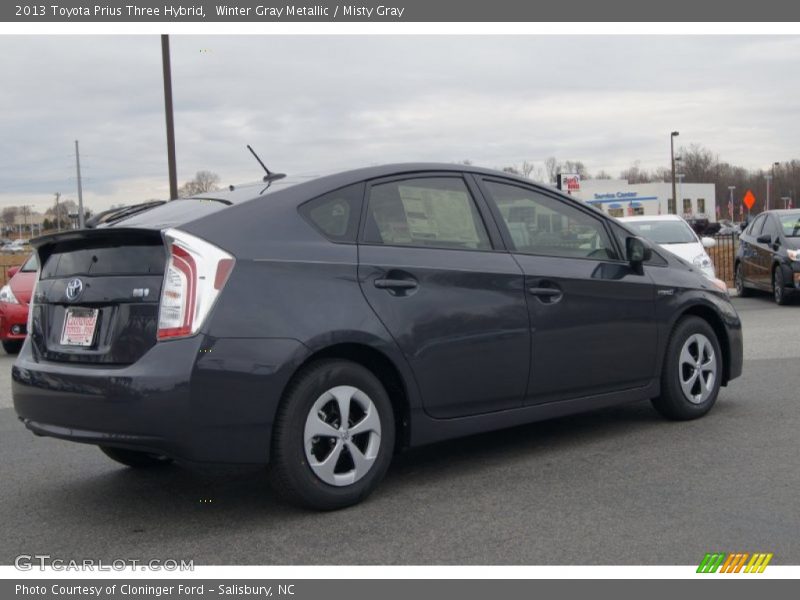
(619, 198)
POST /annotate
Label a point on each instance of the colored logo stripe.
(734, 562)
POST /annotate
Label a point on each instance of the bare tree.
(204, 181)
(527, 169)
(575, 166)
(9, 215)
(635, 174)
(602, 174)
(551, 167)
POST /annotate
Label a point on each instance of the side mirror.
(12, 271)
(637, 251)
(743, 226)
(708, 242)
(764, 239)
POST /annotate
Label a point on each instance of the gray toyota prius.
(320, 326)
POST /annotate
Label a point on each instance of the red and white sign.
(570, 182)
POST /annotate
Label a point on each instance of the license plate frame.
(79, 334)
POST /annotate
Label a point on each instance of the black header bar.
(254, 11)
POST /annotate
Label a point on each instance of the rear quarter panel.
(291, 283)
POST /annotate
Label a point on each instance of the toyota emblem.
(74, 289)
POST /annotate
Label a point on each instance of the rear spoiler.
(44, 245)
(116, 234)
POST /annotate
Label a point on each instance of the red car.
(14, 299)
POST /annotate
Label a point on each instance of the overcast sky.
(315, 104)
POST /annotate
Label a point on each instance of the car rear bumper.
(13, 321)
(194, 399)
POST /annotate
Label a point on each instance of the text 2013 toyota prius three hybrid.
(321, 326)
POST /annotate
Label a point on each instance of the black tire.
(12, 346)
(292, 474)
(779, 293)
(673, 403)
(738, 279)
(134, 458)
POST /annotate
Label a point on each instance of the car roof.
(249, 191)
(292, 190)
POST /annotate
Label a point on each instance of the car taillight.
(195, 274)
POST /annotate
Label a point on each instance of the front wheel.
(692, 371)
(741, 290)
(134, 458)
(779, 287)
(333, 436)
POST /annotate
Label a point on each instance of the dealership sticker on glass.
(79, 326)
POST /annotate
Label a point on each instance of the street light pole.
(672, 137)
(80, 186)
(768, 177)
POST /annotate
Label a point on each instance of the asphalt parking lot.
(618, 486)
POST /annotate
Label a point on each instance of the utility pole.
(80, 186)
(58, 218)
(167, 72)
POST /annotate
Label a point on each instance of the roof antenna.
(270, 176)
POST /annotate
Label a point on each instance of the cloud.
(314, 104)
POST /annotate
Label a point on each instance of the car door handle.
(547, 295)
(395, 284)
(544, 292)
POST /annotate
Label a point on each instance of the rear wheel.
(779, 287)
(741, 290)
(12, 346)
(692, 371)
(333, 437)
(134, 458)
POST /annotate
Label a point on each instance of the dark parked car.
(324, 325)
(768, 257)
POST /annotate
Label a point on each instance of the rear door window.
(426, 212)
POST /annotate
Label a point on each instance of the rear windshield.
(117, 260)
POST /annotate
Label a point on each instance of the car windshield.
(664, 232)
(790, 223)
(31, 265)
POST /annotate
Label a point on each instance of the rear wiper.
(117, 214)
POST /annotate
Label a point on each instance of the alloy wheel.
(342, 435)
(697, 368)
